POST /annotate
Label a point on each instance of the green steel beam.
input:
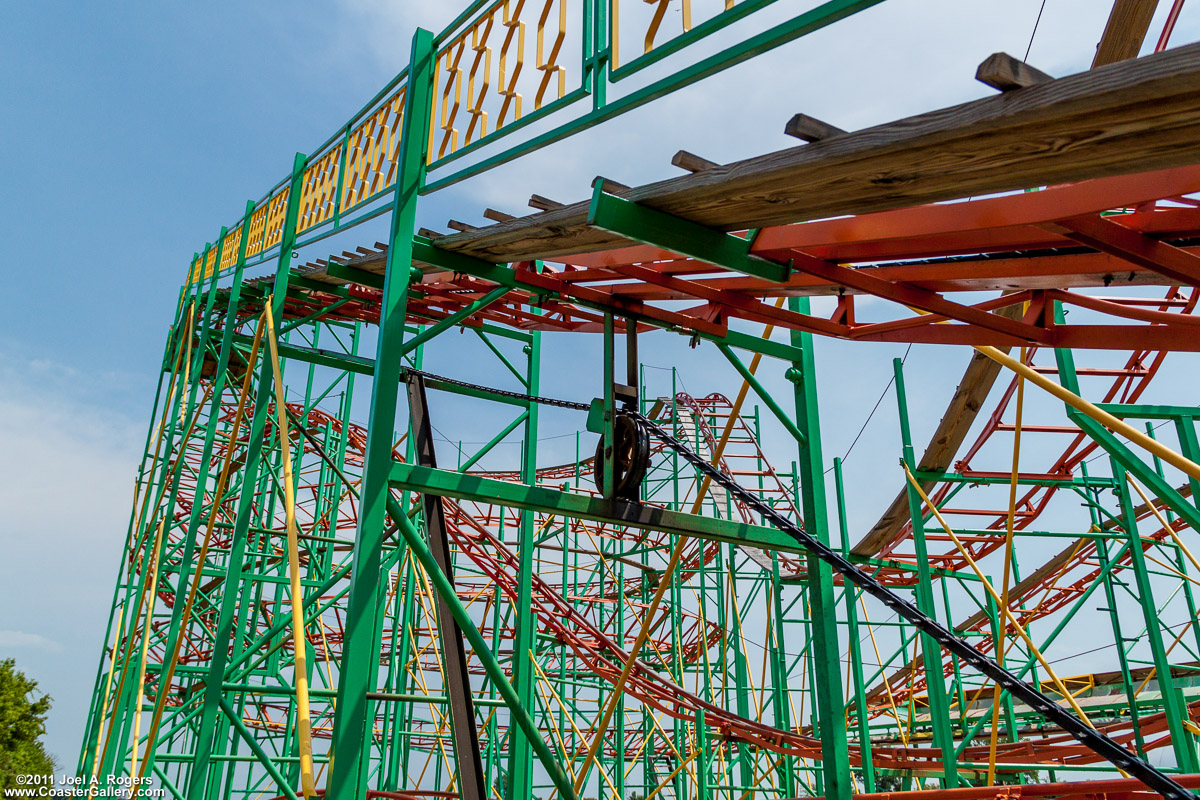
(359, 668)
(354, 275)
(825, 660)
(462, 314)
(643, 224)
(939, 703)
(764, 395)
(521, 741)
(1182, 741)
(855, 636)
(448, 483)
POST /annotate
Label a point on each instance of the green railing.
(501, 67)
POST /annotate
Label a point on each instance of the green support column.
(1182, 742)
(1110, 597)
(198, 785)
(520, 756)
(835, 755)
(178, 625)
(741, 672)
(1122, 459)
(360, 662)
(1186, 427)
(779, 674)
(856, 661)
(1006, 701)
(89, 747)
(939, 703)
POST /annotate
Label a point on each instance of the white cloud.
(11, 640)
(386, 27)
(66, 484)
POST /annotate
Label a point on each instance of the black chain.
(1089, 737)
(528, 398)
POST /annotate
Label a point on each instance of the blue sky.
(131, 131)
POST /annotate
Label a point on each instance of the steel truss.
(310, 604)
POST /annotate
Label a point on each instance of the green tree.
(22, 723)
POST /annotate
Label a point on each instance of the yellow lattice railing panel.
(229, 247)
(193, 271)
(652, 23)
(210, 262)
(258, 227)
(276, 216)
(550, 39)
(481, 76)
(318, 192)
(372, 152)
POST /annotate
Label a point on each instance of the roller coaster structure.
(307, 604)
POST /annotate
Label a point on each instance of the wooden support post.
(1126, 30)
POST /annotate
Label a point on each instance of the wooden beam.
(460, 226)
(610, 186)
(543, 203)
(691, 162)
(1005, 73)
(497, 216)
(1127, 25)
(1135, 116)
(810, 129)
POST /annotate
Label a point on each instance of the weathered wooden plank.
(1129, 117)
(610, 186)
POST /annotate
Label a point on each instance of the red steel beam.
(1115, 239)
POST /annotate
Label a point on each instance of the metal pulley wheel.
(631, 458)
